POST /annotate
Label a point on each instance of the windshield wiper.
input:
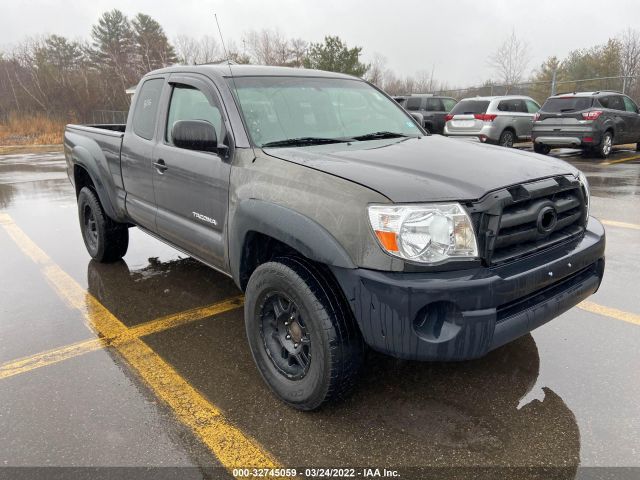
(378, 135)
(303, 141)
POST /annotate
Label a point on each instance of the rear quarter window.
(567, 104)
(448, 103)
(470, 107)
(146, 108)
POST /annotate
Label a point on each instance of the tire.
(106, 241)
(507, 139)
(320, 359)
(606, 145)
(541, 149)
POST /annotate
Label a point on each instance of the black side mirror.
(195, 135)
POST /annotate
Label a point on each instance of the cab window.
(144, 116)
(189, 103)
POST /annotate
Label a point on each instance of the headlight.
(425, 233)
(582, 178)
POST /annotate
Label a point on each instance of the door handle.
(161, 167)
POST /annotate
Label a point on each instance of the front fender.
(287, 226)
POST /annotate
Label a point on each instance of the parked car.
(503, 120)
(433, 108)
(343, 223)
(592, 121)
(400, 99)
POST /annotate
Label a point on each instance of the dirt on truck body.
(346, 225)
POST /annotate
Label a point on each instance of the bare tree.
(629, 54)
(195, 51)
(298, 51)
(377, 70)
(511, 60)
(268, 47)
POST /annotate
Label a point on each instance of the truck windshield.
(280, 110)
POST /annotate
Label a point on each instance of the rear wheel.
(606, 145)
(507, 139)
(541, 148)
(302, 334)
(106, 241)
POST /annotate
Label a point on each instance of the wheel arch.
(262, 230)
(86, 174)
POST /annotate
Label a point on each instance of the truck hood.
(431, 168)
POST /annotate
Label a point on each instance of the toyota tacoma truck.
(346, 225)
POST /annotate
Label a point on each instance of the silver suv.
(499, 120)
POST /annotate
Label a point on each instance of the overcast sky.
(454, 37)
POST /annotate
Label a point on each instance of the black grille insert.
(524, 219)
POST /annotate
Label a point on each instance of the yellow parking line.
(622, 160)
(613, 223)
(56, 355)
(609, 312)
(232, 447)
(177, 319)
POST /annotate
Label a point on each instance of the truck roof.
(253, 71)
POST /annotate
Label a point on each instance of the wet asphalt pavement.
(567, 395)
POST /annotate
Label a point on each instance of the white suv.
(502, 120)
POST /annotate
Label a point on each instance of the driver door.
(192, 187)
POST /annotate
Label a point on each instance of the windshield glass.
(566, 104)
(284, 108)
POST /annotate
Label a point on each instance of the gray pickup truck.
(344, 223)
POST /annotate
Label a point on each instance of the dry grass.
(31, 130)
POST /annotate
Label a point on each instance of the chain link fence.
(540, 91)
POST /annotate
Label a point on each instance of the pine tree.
(152, 48)
(334, 55)
(113, 54)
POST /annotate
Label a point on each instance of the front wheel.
(302, 334)
(106, 241)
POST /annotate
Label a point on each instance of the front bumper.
(460, 315)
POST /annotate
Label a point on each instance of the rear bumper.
(487, 132)
(460, 315)
(575, 137)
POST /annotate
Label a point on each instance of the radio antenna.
(233, 80)
(226, 53)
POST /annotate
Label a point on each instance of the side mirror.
(195, 135)
(418, 117)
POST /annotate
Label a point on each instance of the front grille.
(524, 219)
